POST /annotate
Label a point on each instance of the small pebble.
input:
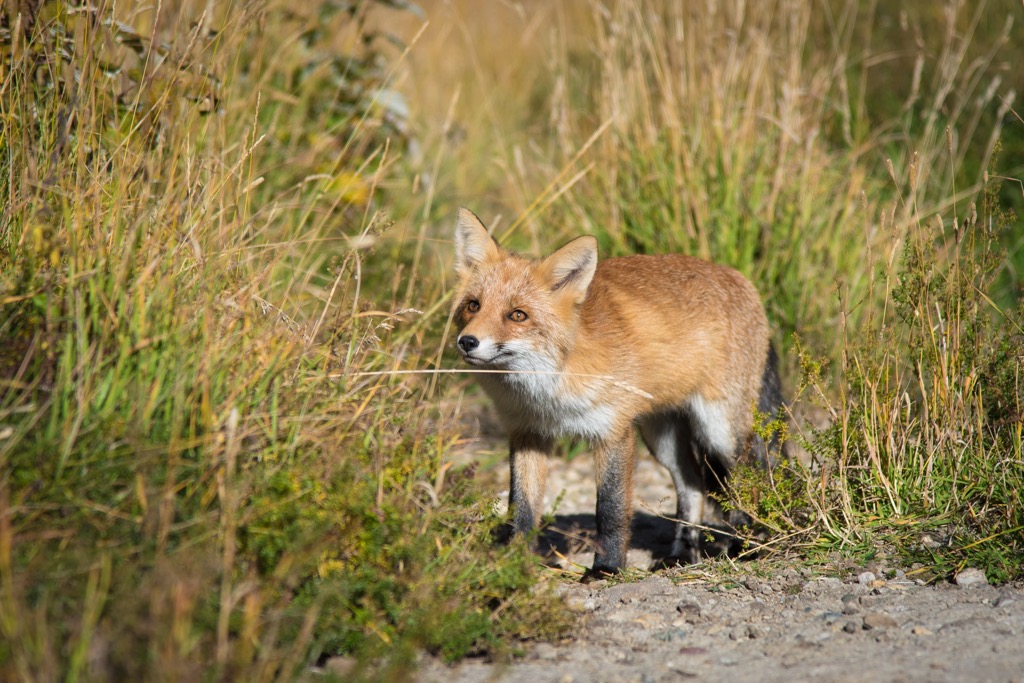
(879, 620)
(690, 611)
(852, 626)
(670, 634)
(865, 578)
(741, 632)
(759, 630)
(921, 631)
(970, 577)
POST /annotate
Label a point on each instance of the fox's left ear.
(473, 244)
(571, 268)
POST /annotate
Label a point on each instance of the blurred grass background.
(226, 225)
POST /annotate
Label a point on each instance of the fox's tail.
(772, 404)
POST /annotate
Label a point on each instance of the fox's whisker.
(482, 371)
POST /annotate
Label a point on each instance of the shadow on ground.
(570, 537)
(567, 536)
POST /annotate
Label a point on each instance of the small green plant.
(929, 436)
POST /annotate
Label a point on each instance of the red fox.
(672, 345)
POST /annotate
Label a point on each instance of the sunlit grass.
(197, 480)
(223, 234)
(755, 135)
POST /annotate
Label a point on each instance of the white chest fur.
(543, 400)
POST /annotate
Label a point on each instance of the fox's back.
(674, 286)
(675, 324)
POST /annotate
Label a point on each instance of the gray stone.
(971, 577)
(865, 578)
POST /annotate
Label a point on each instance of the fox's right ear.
(473, 244)
(571, 268)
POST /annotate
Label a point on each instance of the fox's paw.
(683, 554)
(605, 567)
(669, 562)
(599, 573)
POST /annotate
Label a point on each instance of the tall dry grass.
(836, 172)
(207, 470)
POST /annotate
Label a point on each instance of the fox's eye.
(517, 316)
(473, 306)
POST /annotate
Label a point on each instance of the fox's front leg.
(615, 463)
(528, 454)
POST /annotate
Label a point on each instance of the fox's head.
(513, 313)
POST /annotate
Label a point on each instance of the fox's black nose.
(468, 342)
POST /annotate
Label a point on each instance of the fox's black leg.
(615, 463)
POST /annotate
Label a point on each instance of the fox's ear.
(473, 244)
(571, 268)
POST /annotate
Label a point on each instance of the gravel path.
(788, 628)
(706, 624)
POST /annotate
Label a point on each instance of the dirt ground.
(788, 628)
(871, 623)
